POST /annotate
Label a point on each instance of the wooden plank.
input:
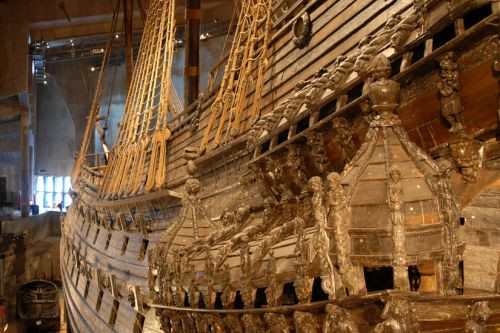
(10, 127)
(9, 146)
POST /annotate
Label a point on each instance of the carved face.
(480, 311)
(316, 184)
(395, 175)
(333, 179)
(227, 218)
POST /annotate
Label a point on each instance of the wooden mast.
(192, 54)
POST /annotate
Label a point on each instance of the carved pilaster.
(273, 290)
(339, 219)
(395, 195)
(303, 284)
(449, 217)
(320, 243)
(247, 291)
(228, 292)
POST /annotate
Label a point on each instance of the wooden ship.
(320, 187)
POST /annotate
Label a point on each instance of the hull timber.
(108, 245)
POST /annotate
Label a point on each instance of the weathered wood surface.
(224, 176)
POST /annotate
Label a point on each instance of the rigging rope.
(96, 101)
(249, 47)
(144, 132)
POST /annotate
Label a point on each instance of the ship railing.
(93, 176)
(325, 315)
(417, 55)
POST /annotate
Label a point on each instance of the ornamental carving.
(338, 320)
(341, 148)
(396, 31)
(277, 323)
(477, 317)
(317, 86)
(305, 322)
(318, 151)
(466, 152)
(398, 230)
(449, 86)
(449, 215)
(301, 30)
(397, 318)
(320, 243)
(338, 219)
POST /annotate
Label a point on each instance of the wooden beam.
(9, 146)
(25, 162)
(100, 25)
(9, 108)
(192, 54)
(10, 127)
(128, 10)
(142, 11)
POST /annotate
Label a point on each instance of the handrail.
(350, 301)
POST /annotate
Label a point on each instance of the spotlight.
(92, 69)
(45, 82)
(117, 36)
(203, 37)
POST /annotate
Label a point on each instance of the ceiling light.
(203, 37)
(45, 82)
(117, 36)
(92, 69)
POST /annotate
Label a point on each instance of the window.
(51, 191)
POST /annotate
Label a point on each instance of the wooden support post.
(128, 10)
(192, 55)
(25, 163)
(142, 11)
